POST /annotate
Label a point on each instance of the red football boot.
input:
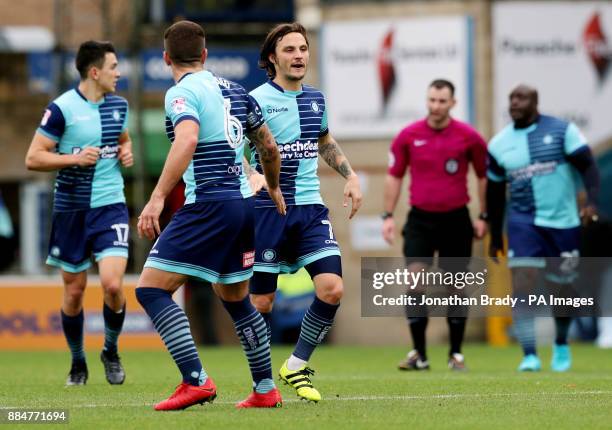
(188, 395)
(272, 399)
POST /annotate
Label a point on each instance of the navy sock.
(113, 323)
(172, 325)
(418, 325)
(73, 331)
(562, 324)
(456, 328)
(315, 325)
(251, 330)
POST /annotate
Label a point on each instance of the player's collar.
(87, 100)
(282, 90)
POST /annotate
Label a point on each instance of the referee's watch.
(386, 215)
(483, 216)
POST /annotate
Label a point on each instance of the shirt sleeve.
(495, 171)
(399, 156)
(126, 118)
(181, 105)
(254, 118)
(574, 139)
(478, 154)
(324, 125)
(53, 123)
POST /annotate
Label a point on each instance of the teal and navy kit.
(211, 236)
(89, 212)
(283, 244)
(537, 163)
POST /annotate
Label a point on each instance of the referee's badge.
(451, 166)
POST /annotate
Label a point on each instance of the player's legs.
(263, 291)
(253, 334)
(455, 248)
(560, 274)
(154, 293)
(111, 271)
(419, 246)
(72, 324)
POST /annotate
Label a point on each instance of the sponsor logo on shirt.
(298, 150)
(82, 118)
(178, 105)
(391, 159)
(235, 169)
(45, 118)
(274, 109)
(248, 259)
(419, 142)
(109, 151)
(535, 169)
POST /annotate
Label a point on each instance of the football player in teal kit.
(540, 157)
(297, 117)
(83, 135)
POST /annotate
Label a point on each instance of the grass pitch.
(361, 389)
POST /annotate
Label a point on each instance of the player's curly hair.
(269, 45)
(184, 42)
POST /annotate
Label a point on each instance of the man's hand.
(148, 221)
(480, 228)
(278, 199)
(388, 230)
(88, 156)
(257, 181)
(126, 157)
(588, 215)
(352, 190)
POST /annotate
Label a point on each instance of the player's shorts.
(450, 233)
(75, 235)
(556, 249)
(211, 241)
(284, 244)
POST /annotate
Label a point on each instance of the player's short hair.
(269, 45)
(184, 42)
(92, 54)
(443, 83)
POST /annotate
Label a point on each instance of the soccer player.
(297, 116)
(83, 134)
(538, 156)
(438, 150)
(211, 237)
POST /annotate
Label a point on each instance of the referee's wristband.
(386, 215)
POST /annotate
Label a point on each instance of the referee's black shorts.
(449, 233)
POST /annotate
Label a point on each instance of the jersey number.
(232, 125)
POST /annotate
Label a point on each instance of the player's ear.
(453, 102)
(272, 58)
(204, 55)
(167, 59)
(93, 73)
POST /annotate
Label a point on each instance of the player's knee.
(262, 302)
(112, 288)
(73, 297)
(331, 292)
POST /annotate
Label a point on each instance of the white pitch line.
(343, 399)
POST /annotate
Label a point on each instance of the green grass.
(361, 388)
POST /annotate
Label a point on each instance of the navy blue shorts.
(556, 249)
(212, 241)
(284, 244)
(75, 235)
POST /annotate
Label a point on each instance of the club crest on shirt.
(548, 139)
(451, 166)
(116, 115)
(315, 106)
